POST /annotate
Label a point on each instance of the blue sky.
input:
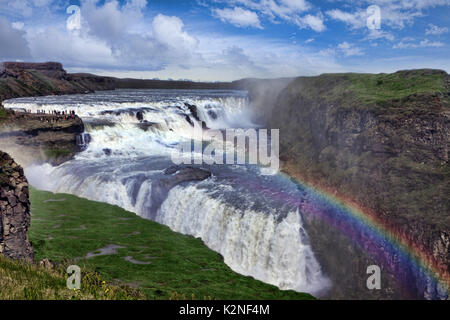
(227, 39)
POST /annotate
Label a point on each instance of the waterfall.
(126, 147)
(252, 243)
(83, 140)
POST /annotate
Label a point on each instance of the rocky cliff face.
(40, 137)
(382, 141)
(14, 210)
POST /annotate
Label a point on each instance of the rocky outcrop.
(41, 137)
(382, 142)
(14, 210)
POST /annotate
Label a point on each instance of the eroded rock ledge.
(40, 137)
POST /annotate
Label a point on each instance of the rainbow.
(398, 254)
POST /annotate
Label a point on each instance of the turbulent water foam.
(112, 119)
(132, 134)
(251, 242)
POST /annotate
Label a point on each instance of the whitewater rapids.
(236, 212)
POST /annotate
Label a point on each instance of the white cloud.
(178, 44)
(72, 49)
(416, 4)
(296, 5)
(116, 35)
(42, 3)
(348, 49)
(24, 8)
(242, 63)
(16, 47)
(428, 43)
(390, 16)
(111, 20)
(238, 17)
(283, 9)
(313, 22)
(407, 43)
(255, 56)
(18, 25)
(230, 58)
(329, 52)
(435, 30)
(375, 34)
(274, 10)
(396, 14)
(343, 49)
(354, 20)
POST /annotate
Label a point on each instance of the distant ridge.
(21, 79)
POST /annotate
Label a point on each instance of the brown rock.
(22, 197)
(12, 201)
(47, 264)
(14, 211)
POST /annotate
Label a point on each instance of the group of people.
(59, 115)
(70, 113)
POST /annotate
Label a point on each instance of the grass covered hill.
(21, 280)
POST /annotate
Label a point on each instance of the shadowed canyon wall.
(381, 141)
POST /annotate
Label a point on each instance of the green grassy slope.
(368, 90)
(24, 281)
(176, 266)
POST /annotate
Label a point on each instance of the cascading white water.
(251, 242)
(256, 235)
